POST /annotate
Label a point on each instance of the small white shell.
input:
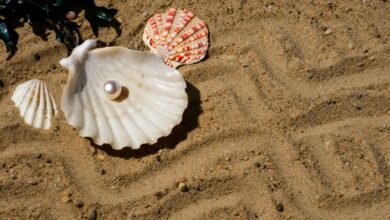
(35, 103)
(151, 103)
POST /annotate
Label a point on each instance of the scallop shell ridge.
(153, 101)
(35, 103)
(178, 36)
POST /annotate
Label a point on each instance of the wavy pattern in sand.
(288, 115)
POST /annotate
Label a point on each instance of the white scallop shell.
(154, 104)
(178, 36)
(35, 103)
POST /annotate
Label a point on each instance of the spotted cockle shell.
(151, 102)
(35, 103)
(178, 36)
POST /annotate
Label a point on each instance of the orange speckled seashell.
(177, 36)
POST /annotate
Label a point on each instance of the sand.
(288, 118)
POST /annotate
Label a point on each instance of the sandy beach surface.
(288, 118)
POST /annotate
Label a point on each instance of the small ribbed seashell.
(177, 36)
(35, 103)
(121, 97)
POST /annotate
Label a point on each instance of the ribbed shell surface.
(178, 36)
(35, 103)
(154, 104)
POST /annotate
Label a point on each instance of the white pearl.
(113, 89)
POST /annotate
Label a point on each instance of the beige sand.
(289, 118)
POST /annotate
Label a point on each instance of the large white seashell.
(151, 102)
(177, 36)
(35, 103)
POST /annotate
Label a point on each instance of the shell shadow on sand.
(179, 133)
